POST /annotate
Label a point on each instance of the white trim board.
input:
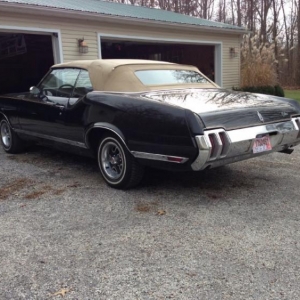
(56, 41)
(218, 48)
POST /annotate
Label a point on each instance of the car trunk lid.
(228, 109)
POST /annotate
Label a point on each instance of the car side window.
(60, 83)
(82, 87)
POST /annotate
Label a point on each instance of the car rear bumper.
(218, 147)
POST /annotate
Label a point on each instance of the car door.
(44, 115)
(74, 126)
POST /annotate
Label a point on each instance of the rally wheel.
(10, 141)
(117, 165)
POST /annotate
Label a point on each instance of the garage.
(63, 31)
(26, 54)
(24, 59)
(202, 56)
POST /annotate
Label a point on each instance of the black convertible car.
(136, 113)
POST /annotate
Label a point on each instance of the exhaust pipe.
(287, 151)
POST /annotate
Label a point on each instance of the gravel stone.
(226, 233)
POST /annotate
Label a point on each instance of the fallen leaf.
(161, 212)
(140, 207)
(62, 292)
(74, 185)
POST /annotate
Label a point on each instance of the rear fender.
(103, 127)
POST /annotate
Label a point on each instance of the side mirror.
(35, 91)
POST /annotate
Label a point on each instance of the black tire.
(10, 141)
(118, 167)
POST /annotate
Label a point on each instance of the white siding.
(73, 29)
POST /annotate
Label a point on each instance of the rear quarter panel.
(147, 126)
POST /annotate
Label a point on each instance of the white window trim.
(56, 42)
(218, 48)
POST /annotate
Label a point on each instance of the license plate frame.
(262, 144)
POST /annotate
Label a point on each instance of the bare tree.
(276, 22)
(205, 8)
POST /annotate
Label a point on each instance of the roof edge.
(40, 10)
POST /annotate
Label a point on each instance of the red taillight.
(219, 143)
(175, 159)
(213, 145)
(222, 137)
(225, 143)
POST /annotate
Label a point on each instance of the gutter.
(73, 14)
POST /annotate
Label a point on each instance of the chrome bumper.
(219, 147)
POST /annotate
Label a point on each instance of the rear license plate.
(262, 144)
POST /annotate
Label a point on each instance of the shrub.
(279, 90)
(266, 89)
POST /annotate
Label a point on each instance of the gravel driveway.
(228, 233)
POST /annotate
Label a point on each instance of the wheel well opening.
(94, 137)
(2, 117)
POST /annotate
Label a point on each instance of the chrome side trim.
(52, 138)
(236, 145)
(160, 157)
(102, 126)
(6, 118)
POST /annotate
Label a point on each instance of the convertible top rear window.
(166, 77)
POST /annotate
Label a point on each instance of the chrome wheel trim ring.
(5, 135)
(112, 161)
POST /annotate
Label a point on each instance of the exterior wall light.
(82, 46)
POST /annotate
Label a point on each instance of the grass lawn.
(294, 94)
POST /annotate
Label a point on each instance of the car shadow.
(215, 182)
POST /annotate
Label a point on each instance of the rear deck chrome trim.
(237, 144)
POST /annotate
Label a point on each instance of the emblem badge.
(260, 116)
(284, 114)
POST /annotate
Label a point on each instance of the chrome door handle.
(61, 107)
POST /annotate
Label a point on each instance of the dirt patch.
(37, 193)
(146, 207)
(17, 185)
(74, 185)
(26, 159)
(58, 191)
(44, 190)
(34, 195)
(14, 187)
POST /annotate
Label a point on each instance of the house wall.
(74, 29)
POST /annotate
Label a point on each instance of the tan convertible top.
(117, 75)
